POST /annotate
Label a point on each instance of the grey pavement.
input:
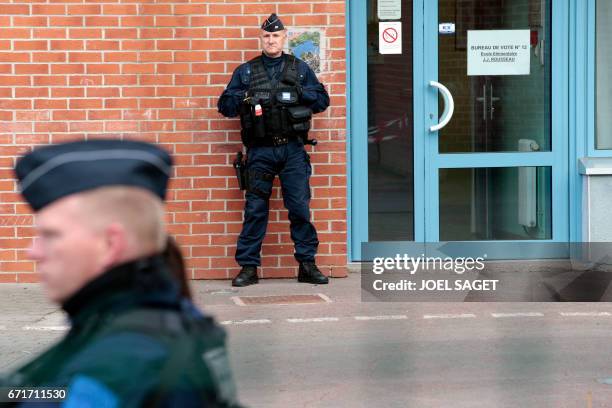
(343, 352)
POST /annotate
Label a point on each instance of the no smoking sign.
(390, 37)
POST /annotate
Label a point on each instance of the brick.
(186, 56)
(171, 21)
(101, 21)
(155, 56)
(28, 277)
(57, 45)
(173, 45)
(154, 9)
(222, 33)
(50, 57)
(21, 69)
(338, 8)
(30, 45)
(12, 33)
(137, 21)
(119, 9)
(103, 69)
(15, 9)
(8, 278)
(190, 33)
(138, 45)
(85, 57)
(156, 33)
(122, 33)
(122, 103)
(49, 9)
(104, 115)
(69, 115)
(85, 103)
(120, 80)
(225, 9)
(212, 274)
(299, 8)
(310, 20)
(64, 21)
(14, 56)
(102, 92)
(84, 9)
(86, 80)
(189, 9)
(67, 69)
(100, 45)
(120, 57)
(16, 80)
(249, 21)
(253, 8)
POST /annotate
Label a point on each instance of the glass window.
(495, 203)
(493, 113)
(390, 139)
(603, 67)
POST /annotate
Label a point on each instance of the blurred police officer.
(134, 340)
(275, 95)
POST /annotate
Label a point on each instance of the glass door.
(496, 166)
(458, 128)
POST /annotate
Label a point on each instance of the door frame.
(425, 34)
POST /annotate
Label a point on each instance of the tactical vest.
(271, 113)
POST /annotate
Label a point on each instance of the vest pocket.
(299, 117)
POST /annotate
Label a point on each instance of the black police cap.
(52, 172)
(272, 24)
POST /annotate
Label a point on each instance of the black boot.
(309, 273)
(246, 277)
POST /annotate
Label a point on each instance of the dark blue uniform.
(290, 162)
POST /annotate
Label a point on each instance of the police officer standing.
(134, 340)
(275, 95)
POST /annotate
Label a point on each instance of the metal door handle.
(449, 106)
(483, 99)
(493, 100)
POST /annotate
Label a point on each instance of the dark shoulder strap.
(147, 321)
(259, 76)
(290, 72)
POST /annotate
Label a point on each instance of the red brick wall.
(153, 70)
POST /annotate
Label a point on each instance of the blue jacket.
(313, 93)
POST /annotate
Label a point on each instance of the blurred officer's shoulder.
(151, 355)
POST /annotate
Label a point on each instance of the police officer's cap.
(272, 24)
(52, 172)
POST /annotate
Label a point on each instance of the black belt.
(273, 141)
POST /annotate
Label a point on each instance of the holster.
(241, 173)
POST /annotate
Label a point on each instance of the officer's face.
(69, 251)
(273, 43)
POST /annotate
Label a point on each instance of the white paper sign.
(390, 37)
(498, 52)
(389, 9)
